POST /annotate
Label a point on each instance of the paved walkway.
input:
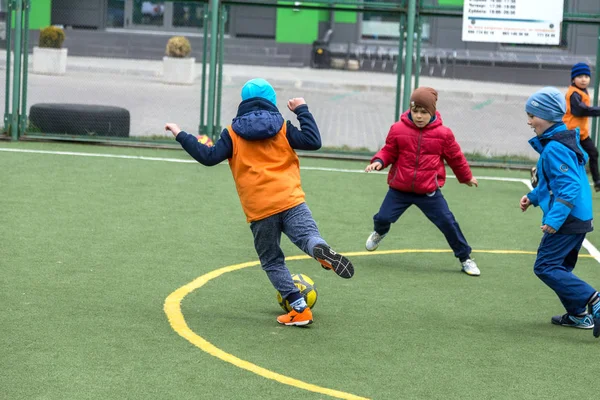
(301, 77)
(353, 109)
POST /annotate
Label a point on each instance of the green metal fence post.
(221, 38)
(418, 52)
(410, 39)
(202, 127)
(399, 68)
(14, 125)
(596, 94)
(7, 116)
(214, 26)
(25, 68)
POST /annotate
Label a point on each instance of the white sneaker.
(470, 268)
(373, 241)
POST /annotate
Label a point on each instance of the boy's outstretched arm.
(388, 153)
(376, 165)
(205, 155)
(580, 109)
(456, 160)
(524, 203)
(308, 136)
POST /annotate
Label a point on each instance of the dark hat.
(580, 69)
(425, 97)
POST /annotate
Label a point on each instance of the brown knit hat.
(425, 97)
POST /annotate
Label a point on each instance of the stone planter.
(49, 61)
(179, 71)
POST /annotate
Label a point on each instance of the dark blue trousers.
(300, 227)
(556, 259)
(434, 207)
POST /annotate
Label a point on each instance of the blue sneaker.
(595, 311)
(585, 322)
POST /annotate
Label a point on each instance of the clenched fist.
(295, 102)
(174, 128)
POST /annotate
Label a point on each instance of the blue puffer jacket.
(563, 191)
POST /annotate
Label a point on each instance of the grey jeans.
(300, 227)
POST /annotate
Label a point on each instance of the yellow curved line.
(172, 308)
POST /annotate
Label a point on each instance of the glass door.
(157, 15)
(382, 26)
(188, 15)
(148, 13)
(115, 14)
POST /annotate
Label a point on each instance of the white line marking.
(586, 243)
(71, 153)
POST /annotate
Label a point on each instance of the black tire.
(79, 119)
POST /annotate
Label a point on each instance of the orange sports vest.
(572, 122)
(266, 174)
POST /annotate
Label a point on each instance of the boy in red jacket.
(416, 147)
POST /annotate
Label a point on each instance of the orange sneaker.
(295, 318)
(329, 259)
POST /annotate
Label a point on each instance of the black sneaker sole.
(329, 259)
(558, 321)
(573, 326)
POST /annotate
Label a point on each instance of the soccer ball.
(308, 289)
(205, 140)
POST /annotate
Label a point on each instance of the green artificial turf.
(92, 246)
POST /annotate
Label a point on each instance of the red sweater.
(418, 156)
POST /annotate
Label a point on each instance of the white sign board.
(512, 21)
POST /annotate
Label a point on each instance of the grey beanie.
(547, 103)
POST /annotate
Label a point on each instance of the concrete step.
(260, 59)
(151, 46)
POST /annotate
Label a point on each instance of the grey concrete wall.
(88, 13)
(446, 33)
(299, 53)
(342, 33)
(252, 21)
(584, 37)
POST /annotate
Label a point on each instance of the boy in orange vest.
(578, 113)
(259, 145)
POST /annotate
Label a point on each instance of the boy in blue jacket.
(564, 195)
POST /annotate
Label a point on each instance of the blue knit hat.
(580, 69)
(547, 103)
(259, 87)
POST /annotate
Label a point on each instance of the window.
(188, 15)
(115, 15)
(385, 26)
(148, 12)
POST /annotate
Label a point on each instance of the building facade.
(291, 32)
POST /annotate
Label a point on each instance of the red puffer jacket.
(418, 156)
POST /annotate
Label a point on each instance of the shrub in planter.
(52, 37)
(49, 57)
(178, 67)
(178, 47)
